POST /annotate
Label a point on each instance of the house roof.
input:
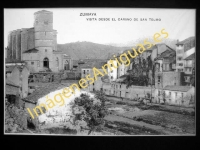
(177, 88)
(166, 54)
(42, 91)
(191, 57)
(123, 76)
(188, 43)
(11, 90)
(34, 50)
(8, 82)
(95, 64)
(186, 40)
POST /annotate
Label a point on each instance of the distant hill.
(83, 50)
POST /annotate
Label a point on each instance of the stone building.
(179, 95)
(19, 76)
(37, 46)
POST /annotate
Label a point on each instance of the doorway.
(46, 62)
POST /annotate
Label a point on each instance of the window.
(180, 64)
(190, 69)
(111, 65)
(176, 94)
(179, 58)
(83, 71)
(120, 86)
(169, 93)
(159, 77)
(111, 71)
(181, 94)
(32, 63)
(111, 77)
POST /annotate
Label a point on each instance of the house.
(165, 61)
(87, 69)
(13, 74)
(188, 67)
(163, 79)
(184, 49)
(19, 76)
(178, 95)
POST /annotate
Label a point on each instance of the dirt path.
(141, 124)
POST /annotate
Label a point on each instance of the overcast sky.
(71, 27)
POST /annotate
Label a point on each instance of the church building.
(37, 46)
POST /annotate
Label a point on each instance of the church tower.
(45, 38)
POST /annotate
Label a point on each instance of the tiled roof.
(11, 90)
(168, 53)
(44, 90)
(123, 76)
(177, 88)
(8, 82)
(95, 64)
(31, 51)
(191, 57)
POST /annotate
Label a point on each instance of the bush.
(93, 112)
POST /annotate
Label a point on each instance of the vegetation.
(94, 110)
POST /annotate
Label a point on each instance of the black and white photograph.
(100, 71)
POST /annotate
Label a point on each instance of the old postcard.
(99, 71)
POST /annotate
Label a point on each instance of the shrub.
(94, 112)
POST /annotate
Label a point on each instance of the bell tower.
(44, 38)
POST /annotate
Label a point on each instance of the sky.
(71, 27)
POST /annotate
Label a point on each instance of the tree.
(94, 110)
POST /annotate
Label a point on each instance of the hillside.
(83, 50)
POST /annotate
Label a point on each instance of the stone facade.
(37, 46)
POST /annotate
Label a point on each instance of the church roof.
(33, 50)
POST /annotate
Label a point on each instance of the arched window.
(66, 65)
(46, 62)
